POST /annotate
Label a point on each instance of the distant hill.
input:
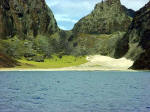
(107, 17)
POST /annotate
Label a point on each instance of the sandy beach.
(95, 62)
(99, 62)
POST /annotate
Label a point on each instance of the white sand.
(99, 62)
(96, 62)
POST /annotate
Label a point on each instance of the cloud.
(70, 11)
(63, 27)
(63, 18)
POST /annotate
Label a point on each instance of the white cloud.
(66, 18)
(63, 27)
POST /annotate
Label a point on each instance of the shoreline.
(95, 63)
(13, 70)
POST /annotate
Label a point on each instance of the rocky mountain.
(136, 42)
(26, 18)
(28, 29)
(107, 17)
(25, 30)
(98, 32)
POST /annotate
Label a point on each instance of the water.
(75, 91)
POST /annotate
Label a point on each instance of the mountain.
(25, 30)
(98, 32)
(129, 12)
(26, 18)
(108, 17)
(136, 42)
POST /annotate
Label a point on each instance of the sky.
(68, 12)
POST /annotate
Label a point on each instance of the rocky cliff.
(26, 18)
(25, 30)
(108, 16)
(136, 43)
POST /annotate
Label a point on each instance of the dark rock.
(38, 58)
(143, 62)
(26, 55)
(29, 58)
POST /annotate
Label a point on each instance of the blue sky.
(68, 12)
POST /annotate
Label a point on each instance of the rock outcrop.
(108, 16)
(136, 42)
(26, 18)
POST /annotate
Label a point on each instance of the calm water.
(74, 91)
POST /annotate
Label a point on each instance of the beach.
(95, 62)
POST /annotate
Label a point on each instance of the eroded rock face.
(136, 43)
(108, 16)
(26, 18)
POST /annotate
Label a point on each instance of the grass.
(100, 36)
(54, 62)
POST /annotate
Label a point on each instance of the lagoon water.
(71, 91)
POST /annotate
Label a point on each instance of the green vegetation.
(101, 36)
(106, 18)
(90, 44)
(13, 47)
(54, 62)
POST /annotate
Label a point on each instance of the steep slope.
(108, 16)
(98, 32)
(25, 30)
(26, 18)
(6, 61)
(129, 12)
(136, 43)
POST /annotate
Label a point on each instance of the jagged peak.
(99, 20)
(111, 1)
(108, 2)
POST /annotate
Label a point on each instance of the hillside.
(136, 42)
(6, 61)
(26, 18)
(29, 33)
(108, 17)
(98, 32)
(25, 30)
